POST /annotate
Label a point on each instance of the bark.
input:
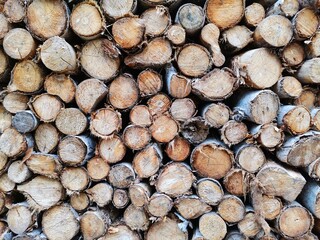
(178, 86)
(25, 121)
(313, 169)
(310, 197)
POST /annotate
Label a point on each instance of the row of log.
(159, 119)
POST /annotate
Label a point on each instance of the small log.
(120, 232)
(123, 92)
(193, 60)
(310, 3)
(310, 197)
(211, 159)
(60, 222)
(139, 194)
(288, 87)
(315, 114)
(249, 157)
(271, 174)
(100, 193)
(112, 149)
(256, 73)
(128, 32)
(4, 63)
(195, 130)
(254, 14)
(15, 102)
(25, 121)
(259, 107)
(44, 164)
(92, 225)
(120, 198)
(159, 104)
(175, 179)
(191, 207)
(233, 132)
(46, 138)
(212, 226)
(236, 182)
(5, 119)
(19, 44)
(53, 15)
(209, 190)
(178, 149)
(235, 235)
(26, 77)
(182, 109)
(307, 72)
(305, 16)
(216, 114)
(287, 8)
(216, 85)
(268, 135)
(79, 201)
(191, 17)
(313, 169)
(89, 93)
(295, 119)
(87, 20)
(74, 179)
(293, 54)
(76, 150)
(105, 122)
(60, 85)
(121, 175)
(303, 221)
(147, 162)
(312, 48)
(178, 86)
(136, 218)
(159, 205)
(236, 38)
(231, 209)
(42, 192)
(14, 10)
(270, 207)
(308, 98)
(136, 137)
(71, 121)
(6, 185)
(3, 162)
(5, 25)
(140, 115)
(100, 59)
(156, 20)
(114, 9)
(18, 172)
(249, 225)
(12, 143)
(164, 129)
(176, 34)
(149, 57)
(97, 168)
(210, 38)
(149, 82)
(19, 218)
(216, 12)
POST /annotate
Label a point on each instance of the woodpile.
(159, 119)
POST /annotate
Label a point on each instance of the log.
(191, 17)
(60, 222)
(112, 149)
(176, 34)
(12, 143)
(149, 82)
(98, 168)
(139, 194)
(121, 175)
(231, 209)
(6, 185)
(270, 207)
(74, 179)
(120, 232)
(212, 226)
(235, 235)
(87, 20)
(309, 197)
(233, 132)
(18, 172)
(254, 14)
(123, 92)
(211, 159)
(120, 198)
(287, 8)
(182, 109)
(175, 179)
(92, 225)
(236, 182)
(216, 114)
(136, 137)
(100, 59)
(44, 164)
(307, 98)
(216, 12)
(99, 118)
(140, 115)
(25, 121)
(313, 169)
(288, 87)
(191, 207)
(71, 121)
(3, 162)
(293, 54)
(159, 205)
(249, 226)
(216, 85)
(268, 135)
(128, 32)
(149, 57)
(53, 15)
(195, 130)
(113, 9)
(79, 201)
(307, 72)
(159, 104)
(136, 218)
(101, 194)
(209, 190)
(5, 119)
(15, 102)
(193, 60)
(19, 218)
(178, 86)
(5, 25)
(178, 149)
(46, 137)
(164, 129)
(75, 150)
(19, 44)
(156, 20)
(4, 64)
(60, 85)
(147, 162)
(256, 73)
(305, 15)
(236, 38)
(312, 48)
(315, 114)
(14, 10)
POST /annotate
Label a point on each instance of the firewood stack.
(159, 119)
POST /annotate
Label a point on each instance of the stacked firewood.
(159, 119)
